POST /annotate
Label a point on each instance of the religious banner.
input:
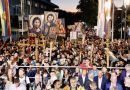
(73, 35)
(78, 26)
(36, 24)
(60, 26)
(50, 24)
(79, 29)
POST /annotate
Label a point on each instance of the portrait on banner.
(60, 24)
(36, 24)
(79, 29)
(50, 24)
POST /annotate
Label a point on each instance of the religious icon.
(36, 24)
(60, 27)
(50, 24)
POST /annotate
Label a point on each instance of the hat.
(83, 67)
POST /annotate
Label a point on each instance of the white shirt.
(127, 74)
(7, 85)
(22, 80)
(83, 77)
(112, 85)
(99, 83)
(21, 87)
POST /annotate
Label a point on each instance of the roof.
(50, 3)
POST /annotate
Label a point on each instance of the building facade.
(21, 9)
(29, 7)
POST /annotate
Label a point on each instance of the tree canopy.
(89, 10)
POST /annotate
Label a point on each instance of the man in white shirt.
(22, 77)
(100, 80)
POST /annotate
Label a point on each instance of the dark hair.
(54, 83)
(36, 18)
(16, 80)
(50, 15)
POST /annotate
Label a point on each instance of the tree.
(89, 9)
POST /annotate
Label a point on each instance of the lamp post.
(113, 10)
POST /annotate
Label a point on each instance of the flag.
(5, 18)
(104, 16)
(101, 19)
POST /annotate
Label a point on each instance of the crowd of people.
(90, 70)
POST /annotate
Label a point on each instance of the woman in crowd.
(10, 79)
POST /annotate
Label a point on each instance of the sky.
(68, 5)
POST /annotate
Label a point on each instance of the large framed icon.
(61, 27)
(50, 16)
(50, 24)
(36, 24)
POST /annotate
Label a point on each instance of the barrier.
(65, 67)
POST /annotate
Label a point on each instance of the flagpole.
(113, 20)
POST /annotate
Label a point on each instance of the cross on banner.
(37, 42)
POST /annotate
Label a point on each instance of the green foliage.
(89, 9)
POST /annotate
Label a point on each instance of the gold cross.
(37, 43)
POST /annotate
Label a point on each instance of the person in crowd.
(126, 56)
(125, 73)
(83, 79)
(53, 77)
(67, 54)
(127, 83)
(56, 85)
(37, 85)
(105, 73)
(90, 77)
(17, 85)
(45, 77)
(93, 86)
(100, 80)
(23, 78)
(86, 64)
(94, 70)
(9, 79)
(73, 85)
(113, 82)
(66, 77)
